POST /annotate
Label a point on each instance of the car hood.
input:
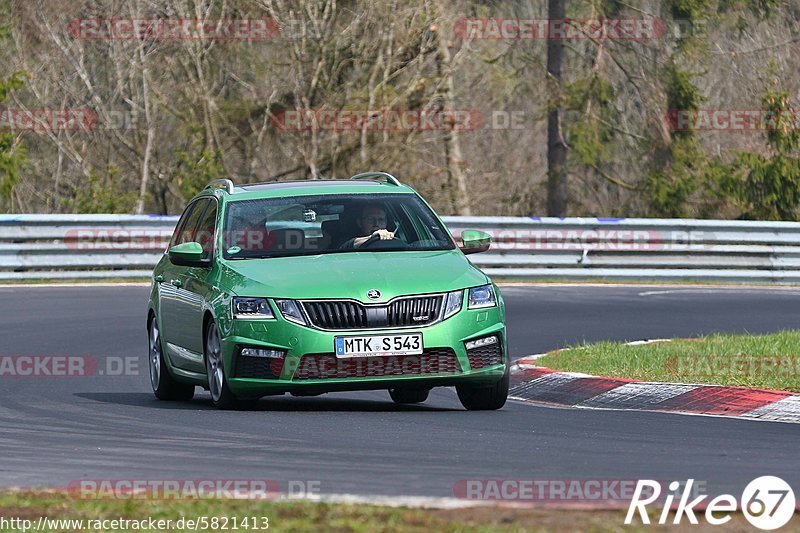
(351, 275)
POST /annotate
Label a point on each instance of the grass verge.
(769, 361)
(301, 516)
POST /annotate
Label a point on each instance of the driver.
(371, 223)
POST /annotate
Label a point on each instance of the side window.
(181, 224)
(187, 233)
(205, 231)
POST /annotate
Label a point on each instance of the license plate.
(406, 344)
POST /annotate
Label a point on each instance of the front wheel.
(221, 395)
(476, 398)
(164, 385)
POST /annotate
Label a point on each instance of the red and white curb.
(531, 383)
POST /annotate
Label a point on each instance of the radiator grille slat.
(312, 314)
(348, 314)
(339, 321)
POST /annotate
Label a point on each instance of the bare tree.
(556, 144)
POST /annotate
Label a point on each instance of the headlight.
(480, 297)
(452, 304)
(251, 308)
(290, 311)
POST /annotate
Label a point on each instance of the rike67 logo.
(768, 503)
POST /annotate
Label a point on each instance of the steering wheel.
(375, 241)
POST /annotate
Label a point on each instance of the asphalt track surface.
(57, 430)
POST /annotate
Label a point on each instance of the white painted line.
(675, 287)
(519, 367)
(420, 502)
(70, 285)
(646, 341)
(524, 360)
(716, 290)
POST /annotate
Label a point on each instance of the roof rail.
(386, 177)
(216, 183)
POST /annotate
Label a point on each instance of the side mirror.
(187, 254)
(475, 241)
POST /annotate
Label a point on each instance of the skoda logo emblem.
(373, 294)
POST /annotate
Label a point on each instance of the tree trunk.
(139, 208)
(556, 145)
(452, 142)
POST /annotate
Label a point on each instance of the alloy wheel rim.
(214, 364)
(155, 355)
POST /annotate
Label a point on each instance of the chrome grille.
(412, 311)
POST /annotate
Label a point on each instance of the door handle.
(176, 282)
(158, 279)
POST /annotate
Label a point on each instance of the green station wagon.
(310, 287)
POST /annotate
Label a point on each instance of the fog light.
(485, 341)
(260, 352)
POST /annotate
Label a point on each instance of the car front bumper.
(310, 366)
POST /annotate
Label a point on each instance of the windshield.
(310, 225)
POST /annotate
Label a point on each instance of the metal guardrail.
(82, 246)
(524, 248)
(608, 249)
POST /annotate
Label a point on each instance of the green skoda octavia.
(310, 287)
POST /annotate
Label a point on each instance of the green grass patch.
(300, 516)
(769, 361)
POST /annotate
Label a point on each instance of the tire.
(409, 395)
(165, 387)
(221, 395)
(484, 398)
